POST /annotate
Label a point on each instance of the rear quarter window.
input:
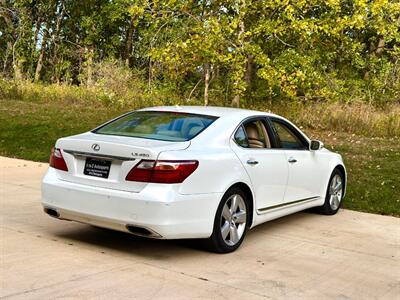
(241, 138)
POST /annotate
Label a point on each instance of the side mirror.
(316, 145)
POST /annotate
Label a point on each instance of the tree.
(238, 50)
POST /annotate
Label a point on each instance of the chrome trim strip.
(87, 154)
(264, 209)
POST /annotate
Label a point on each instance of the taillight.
(57, 160)
(141, 172)
(162, 171)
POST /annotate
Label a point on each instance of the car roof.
(209, 110)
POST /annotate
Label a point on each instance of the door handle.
(252, 162)
(292, 160)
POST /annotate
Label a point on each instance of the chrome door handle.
(292, 160)
(252, 162)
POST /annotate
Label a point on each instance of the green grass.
(29, 128)
(373, 167)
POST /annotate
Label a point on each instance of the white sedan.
(191, 172)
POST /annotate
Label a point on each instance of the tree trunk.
(17, 66)
(216, 72)
(7, 16)
(193, 89)
(150, 74)
(6, 55)
(17, 70)
(380, 47)
(11, 46)
(235, 101)
(206, 82)
(59, 20)
(240, 67)
(39, 64)
(60, 11)
(38, 25)
(89, 66)
(129, 42)
(378, 51)
(249, 71)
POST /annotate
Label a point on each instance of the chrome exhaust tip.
(51, 212)
(141, 231)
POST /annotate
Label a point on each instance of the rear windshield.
(156, 125)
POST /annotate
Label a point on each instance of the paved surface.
(351, 255)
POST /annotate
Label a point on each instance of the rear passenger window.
(241, 138)
(257, 134)
(253, 134)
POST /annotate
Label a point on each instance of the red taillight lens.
(173, 171)
(162, 171)
(141, 172)
(57, 160)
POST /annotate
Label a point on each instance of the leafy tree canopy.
(242, 50)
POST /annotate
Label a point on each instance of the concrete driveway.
(348, 256)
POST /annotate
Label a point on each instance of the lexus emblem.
(96, 147)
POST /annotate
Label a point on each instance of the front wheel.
(231, 222)
(334, 194)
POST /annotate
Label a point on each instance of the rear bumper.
(158, 208)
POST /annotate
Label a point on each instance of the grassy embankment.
(32, 118)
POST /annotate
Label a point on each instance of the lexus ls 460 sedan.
(191, 172)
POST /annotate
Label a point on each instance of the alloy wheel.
(335, 192)
(233, 219)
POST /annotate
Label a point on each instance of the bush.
(358, 117)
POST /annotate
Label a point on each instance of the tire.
(230, 224)
(334, 196)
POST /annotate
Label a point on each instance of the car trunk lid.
(105, 160)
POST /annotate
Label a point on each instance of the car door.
(267, 167)
(304, 171)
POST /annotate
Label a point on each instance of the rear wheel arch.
(220, 240)
(249, 198)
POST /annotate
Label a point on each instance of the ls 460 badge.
(140, 154)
